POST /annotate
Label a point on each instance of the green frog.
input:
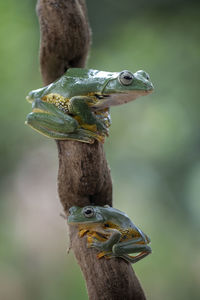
(76, 106)
(110, 231)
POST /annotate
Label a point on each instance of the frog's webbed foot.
(101, 246)
(105, 250)
(104, 117)
(92, 135)
(106, 254)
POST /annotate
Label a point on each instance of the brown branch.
(84, 175)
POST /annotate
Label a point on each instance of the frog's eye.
(88, 212)
(125, 77)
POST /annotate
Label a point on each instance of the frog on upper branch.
(76, 106)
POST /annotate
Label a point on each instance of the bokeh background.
(153, 150)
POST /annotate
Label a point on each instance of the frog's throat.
(119, 98)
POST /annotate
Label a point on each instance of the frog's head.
(124, 87)
(87, 214)
(35, 94)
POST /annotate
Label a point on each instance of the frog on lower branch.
(76, 106)
(110, 231)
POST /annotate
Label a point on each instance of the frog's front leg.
(132, 246)
(79, 107)
(107, 246)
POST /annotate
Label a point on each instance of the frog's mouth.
(105, 101)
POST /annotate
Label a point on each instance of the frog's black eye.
(88, 212)
(125, 77)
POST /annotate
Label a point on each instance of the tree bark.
(84, 175)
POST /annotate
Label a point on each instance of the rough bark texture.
(84, 175)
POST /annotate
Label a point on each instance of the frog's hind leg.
(57, 128)
(124, 248)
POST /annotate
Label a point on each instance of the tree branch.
(84, 175)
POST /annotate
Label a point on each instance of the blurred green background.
(153, 150)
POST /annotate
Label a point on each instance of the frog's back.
(78, 81)
(75, 82)
(86, 81)
(89, 74)
(117, 217)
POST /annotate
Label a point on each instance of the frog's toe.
(101, 128)
(104, 254)
(101, 254)
(97, 245)
(94, 245)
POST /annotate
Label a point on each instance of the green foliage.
(153, 148)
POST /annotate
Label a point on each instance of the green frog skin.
(76, 106)
(110, 231)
